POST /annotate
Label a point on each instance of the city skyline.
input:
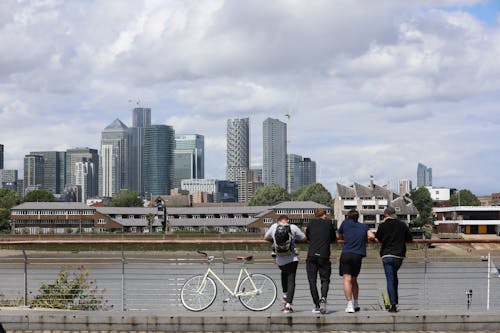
(371, 88)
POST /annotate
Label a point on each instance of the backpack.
(283, 240)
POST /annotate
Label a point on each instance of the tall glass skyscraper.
(302, 172)
(141, 119)
(424, 175)
(159, 145)
(54, 170)
(238, 147)
(189, 158)
(83, 155)
(1, 156)
(114, 159)
(33, 172)
(275, 146)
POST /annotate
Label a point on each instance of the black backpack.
(283, 240)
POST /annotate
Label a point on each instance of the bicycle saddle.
(245, 258)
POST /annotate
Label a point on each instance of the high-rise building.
(159, 145)
(8, 179)
(33, 172)
(85, 172)
(301, 172)
(54, 170)
(248, 182)
(238, 147)
(79, 155)
(114, 159)
(141, 119)
(274, 170)
(1, 156)
(189, 158)
(424, 175)
(405, 186)
(221, 190)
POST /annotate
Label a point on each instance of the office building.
(20, 188)
(54, 170)
(238, 147)
(83, 155)
(405, 186)
(141, 119)
(159, 145)
(33, 172)
(248, 182)
(1, 156)
(424, 175)
(221, 190)
(114, 159)
(189, 158)
(301, 172)
(85, 172)
(8, 179)
(274, 169)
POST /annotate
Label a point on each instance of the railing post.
(25, 278)
(123, 280)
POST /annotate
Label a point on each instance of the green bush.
(72, 291)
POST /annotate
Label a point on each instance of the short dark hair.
(389, 211)
(282, 217)
(353, 215)
(319, 212)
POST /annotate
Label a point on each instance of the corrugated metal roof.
(242, 222)
(216, 210)
(300, 205)
(127, 210)
(53, 205)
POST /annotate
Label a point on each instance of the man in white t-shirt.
(287, 263)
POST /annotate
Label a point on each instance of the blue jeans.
(391, 267)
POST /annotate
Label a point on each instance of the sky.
(372, 87)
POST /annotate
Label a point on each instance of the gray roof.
(365, 191)
(53, 205)
(345, 192)
(300, 205)
(240, 222)
(116, 125)
(216, 210)
(127, 210)
(404, 206)
(136, 222)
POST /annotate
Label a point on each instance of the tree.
(151, 219)
(467, 198)
(269, 195)
(8, 199)
(126, 198)
(39, 196)
(423, 202)
(315, 192)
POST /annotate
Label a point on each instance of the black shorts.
(350, 263)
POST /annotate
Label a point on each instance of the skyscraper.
(274, 170)
(238, 147)
(78, 155)
(84, 178)
(159, 145)
(114, 159)
(424, 175)
(189, 158)
(405, 186)
(8, 179)
(1, 156)
(54, 170)
(33, 172)
(141, 119)
(248, 182)
(302, 172)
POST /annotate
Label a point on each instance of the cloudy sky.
(373, 87)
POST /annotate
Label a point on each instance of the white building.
(439, 193)
(468, 219)
(405, 186)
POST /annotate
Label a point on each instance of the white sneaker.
(316, 310)
(349, 308)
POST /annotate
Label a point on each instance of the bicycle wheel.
(197, 293)
(259, 292)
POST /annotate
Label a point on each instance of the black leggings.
(323, 266)
(288, 273)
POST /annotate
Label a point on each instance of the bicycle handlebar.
(203, 253)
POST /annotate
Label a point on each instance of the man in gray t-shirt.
(287, 263)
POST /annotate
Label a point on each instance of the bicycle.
(257, 292)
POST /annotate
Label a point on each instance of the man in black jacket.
(320, 233)
(393, 234)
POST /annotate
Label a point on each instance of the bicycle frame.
(243, 272)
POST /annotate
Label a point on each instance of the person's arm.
(300, 237)
(333, 233)
(408, 235)
(269, 234)
(370, 235)
(340, 232)
(339, 236)
(308, 234)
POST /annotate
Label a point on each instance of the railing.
(433, 279)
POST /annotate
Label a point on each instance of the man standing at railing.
(393, 234)
(284, 236)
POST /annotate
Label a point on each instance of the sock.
(355, 303)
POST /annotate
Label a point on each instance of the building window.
(101, 221)
(268, 220)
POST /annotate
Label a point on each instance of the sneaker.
(322, 305)
(283, 300)
(349, 308)
(316, 310)
(357, 309)
(288, 308)
(393, 308)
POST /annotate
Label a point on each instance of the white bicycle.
(257, 292)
